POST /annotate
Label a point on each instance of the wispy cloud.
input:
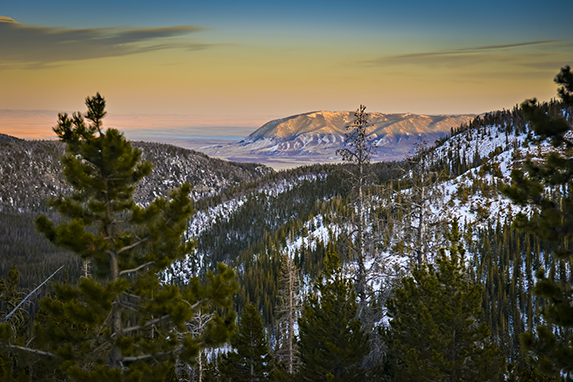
(508, 53)
(34, 46)
(505, 46)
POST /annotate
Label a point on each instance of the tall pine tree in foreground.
(434, 334)
(551, 347)
(332, 343)
(122, 324)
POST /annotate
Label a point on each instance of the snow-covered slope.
(473, 197)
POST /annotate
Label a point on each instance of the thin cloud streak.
(35, 46)
(493, 47)
(467, 56)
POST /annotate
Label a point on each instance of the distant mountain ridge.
(31, 172)
(380, 124)
(8, 138)
(317, 135)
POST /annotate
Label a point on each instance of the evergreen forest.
(134, 261)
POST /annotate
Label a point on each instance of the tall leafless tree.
(418, 220)
(358, 152)
(288, 312)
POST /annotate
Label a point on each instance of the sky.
(238, 64)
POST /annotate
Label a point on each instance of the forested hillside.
(31, 173)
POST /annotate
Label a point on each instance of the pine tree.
(111, 326)
(250, 360)
(551, 347)
(358, 152)
(212, 373)
(434, 334)
(332, 343)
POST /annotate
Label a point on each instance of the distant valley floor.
(205, 145)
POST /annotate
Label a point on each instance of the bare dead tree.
(415, 203)
(196, 326)
(86, 268)
(288, 312)
(358, 152)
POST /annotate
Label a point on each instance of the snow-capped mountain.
(317, 135)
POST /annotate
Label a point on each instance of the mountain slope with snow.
(317, 135)
(31, 172)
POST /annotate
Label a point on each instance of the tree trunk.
(115, 355)
(291, 316)
(116, 329)
(421, 250)
(361, 284)
(200, 364)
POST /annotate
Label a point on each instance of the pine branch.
(130, 306)
(147, 356)
(197, 304)
(147, 324)
(29, 350)
(124, 272)
(132, 246)
(29, 295)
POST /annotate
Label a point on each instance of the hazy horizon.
(37, 124)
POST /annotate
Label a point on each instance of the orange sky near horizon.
(38, 124)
